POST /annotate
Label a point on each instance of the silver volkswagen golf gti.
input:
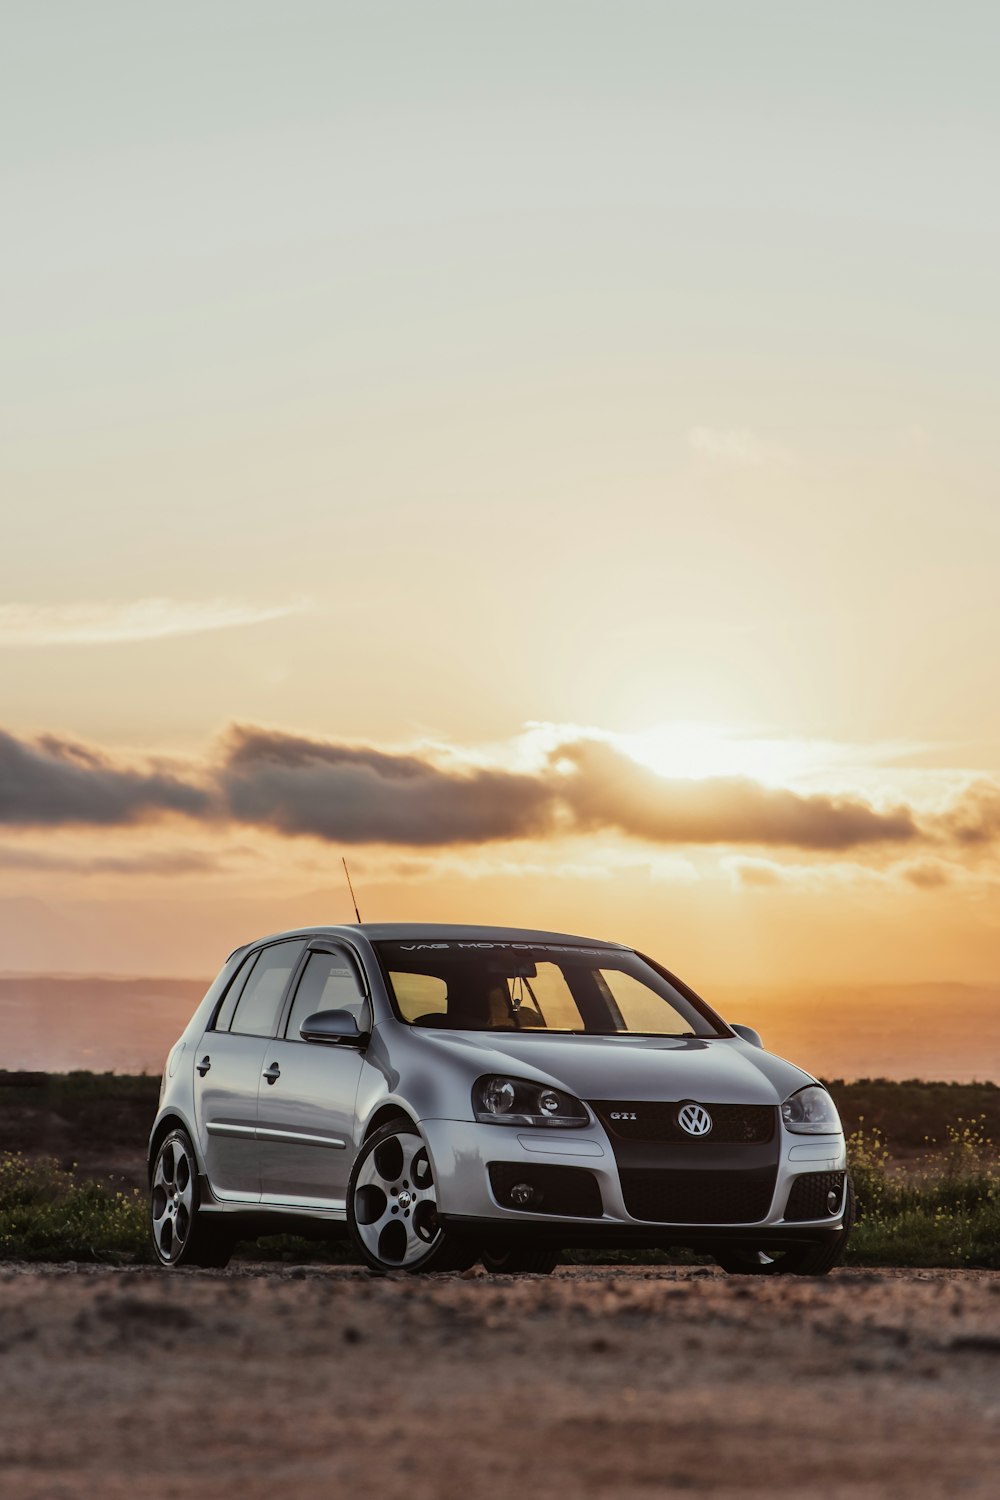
(448, 1094)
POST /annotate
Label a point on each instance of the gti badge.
(623, 1114)
(695, 1119)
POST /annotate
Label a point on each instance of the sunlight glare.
(698, 751)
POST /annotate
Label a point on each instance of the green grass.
(945, 1212)
(926, 1173)
(50, 1214)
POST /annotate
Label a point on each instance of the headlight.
(811, 1112)
(514, 1101)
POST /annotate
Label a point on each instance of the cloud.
(926, 874)
(170, 862)
(360, 795)
(737, 446)
(294, 785)
(973, 815)
(57, 783)
(754, 872)
(129, 620)
(606, 789)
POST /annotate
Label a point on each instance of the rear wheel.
(508, 1261)
(392, 1206)
(801, 1260)
(183, 1235)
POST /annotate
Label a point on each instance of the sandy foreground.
(261, 1382)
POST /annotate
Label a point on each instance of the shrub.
(946, 1212)
(49, 1214)
(943, 1212)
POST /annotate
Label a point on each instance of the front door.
(306, 1115)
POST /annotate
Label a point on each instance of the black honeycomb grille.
(810, 1196)
(698, 1197)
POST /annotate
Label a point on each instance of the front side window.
(329, 982)
(539, 987)
(257, 1008)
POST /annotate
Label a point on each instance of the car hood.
(724, 1070)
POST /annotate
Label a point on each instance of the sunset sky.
(546, 452)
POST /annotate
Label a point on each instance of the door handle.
(272, 1074)
(204, 1065)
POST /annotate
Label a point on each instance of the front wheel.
(182, 1234)
(802, 1260)
(392, 1206)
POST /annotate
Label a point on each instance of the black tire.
(182, 1234)
(806, 1260)
(392, 1206)
(515, 1261)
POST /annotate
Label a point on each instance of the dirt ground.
(258, 1382)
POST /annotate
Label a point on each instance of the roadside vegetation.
(72, 1151)
(942, 1211)
(48, 1213)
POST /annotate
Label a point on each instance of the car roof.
(436, 932)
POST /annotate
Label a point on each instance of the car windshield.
(540, 987)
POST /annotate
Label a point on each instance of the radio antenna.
(350, 887)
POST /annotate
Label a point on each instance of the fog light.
(832, 1201)
(522, 1193)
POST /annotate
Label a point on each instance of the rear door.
(306, 1115)
(228, 1069)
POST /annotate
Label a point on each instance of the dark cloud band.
(294, 785)
(59, 783)
(606, 789)
(362, 796)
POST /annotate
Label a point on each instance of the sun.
(697, 751)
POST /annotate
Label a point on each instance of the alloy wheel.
(395, 1201)
(172, 1199)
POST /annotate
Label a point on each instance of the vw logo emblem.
(695, 1119)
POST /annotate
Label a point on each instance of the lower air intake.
(570, 1191)
(813, 1194)
(705, 1197)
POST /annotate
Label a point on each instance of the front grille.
(732, 1124)
(809, 1195)
(572, 1191)
(698, 1197)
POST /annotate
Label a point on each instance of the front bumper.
(461, 1152)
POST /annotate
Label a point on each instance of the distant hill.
(938, 1031)
(58, 1024)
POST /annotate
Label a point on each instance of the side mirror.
(337, 1026)
(748, 1034)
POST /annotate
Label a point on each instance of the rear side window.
(257, 1006)
(233, 994)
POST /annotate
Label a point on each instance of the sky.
(543, 452)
